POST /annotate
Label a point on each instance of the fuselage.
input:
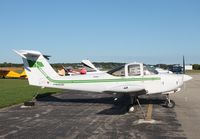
(102, 82)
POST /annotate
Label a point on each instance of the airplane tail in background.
(38, 70)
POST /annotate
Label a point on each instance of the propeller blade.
(183, 65)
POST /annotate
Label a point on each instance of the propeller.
(183, 73)
(183, 64)
(185, 77)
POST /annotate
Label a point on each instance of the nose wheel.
(169, 103)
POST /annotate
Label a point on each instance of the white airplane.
(133, 79)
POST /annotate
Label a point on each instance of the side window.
(134, 70)
(119, 71)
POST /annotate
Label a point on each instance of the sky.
(148, 31)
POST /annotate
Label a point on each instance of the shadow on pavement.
(119, 107)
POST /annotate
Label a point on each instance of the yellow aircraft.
(23, 74)
(8, 73)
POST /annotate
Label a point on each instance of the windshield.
(149, 70)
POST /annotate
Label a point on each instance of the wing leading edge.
(130, 89)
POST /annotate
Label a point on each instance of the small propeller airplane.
(134, 79)
(10, 73)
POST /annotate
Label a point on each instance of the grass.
(15, 91)
(193, 72)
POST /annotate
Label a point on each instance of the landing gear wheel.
(116, 101)
(131, 109)
(29, 103)
(170, 104)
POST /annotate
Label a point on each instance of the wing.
(9, 73)
(130, 89)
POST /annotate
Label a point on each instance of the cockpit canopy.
(133, 69)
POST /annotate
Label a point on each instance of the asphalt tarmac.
(74, 114)
(188, 107)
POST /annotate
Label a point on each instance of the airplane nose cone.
(186, 78)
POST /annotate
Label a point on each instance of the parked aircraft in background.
(177, 69)
(23, 74)
(65, 71)
(86, 64)
(8, 73)
(133, 79)
(162, 71)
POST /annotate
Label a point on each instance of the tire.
(131, 109)
(29, 103)
(171, 104)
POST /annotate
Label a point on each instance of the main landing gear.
(127, 100)
(169, 103)
(133, 101)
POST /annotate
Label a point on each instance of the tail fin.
(38, 70)
(183, 65)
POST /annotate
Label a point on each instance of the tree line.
(101, 65)
(196, 67)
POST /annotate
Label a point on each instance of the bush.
(196, 67)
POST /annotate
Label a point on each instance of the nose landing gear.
(169, 103)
